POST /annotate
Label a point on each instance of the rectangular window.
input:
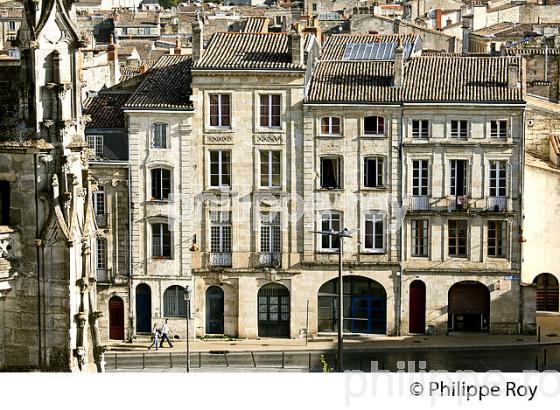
(11, 25)
(420, 129)
(270, 232)
(220, 169)
(330, 126)
(4, 202)
(95, 143)
(458, 182)
(497, 236)
(374, 125)
(373, 172)
(374, 233)
(270, 110)
(420, 177)
(330, 221)
(419, 237)
(99, 201)
(331, 173)
(220, 232)
(161, 184)
(270, 169)
(458, 236)
(146, 31)
(498, 178)
(160, 136)
(220, 110)
(101, 254)
(161, 241)
(498, 129)
(459, 128)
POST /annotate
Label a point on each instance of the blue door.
(143, 308)
(368, 314)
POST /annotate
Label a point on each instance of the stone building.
(456, 180)
(48, 311)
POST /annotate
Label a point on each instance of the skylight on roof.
(373, 51)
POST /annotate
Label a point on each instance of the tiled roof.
(531, 51)
(105, 110)
(256, 25)
(138, 19)
(426, 79)
(505, 31)
(335, 45)
(353, 81)
(246, 51)
(167, 85)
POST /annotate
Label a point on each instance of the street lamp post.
(187, 296)
(345, 233)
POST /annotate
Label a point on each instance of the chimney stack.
(399, 65)
(296, 45)
(513, 75)
(197, 40)
(113, 59)
(177, 49)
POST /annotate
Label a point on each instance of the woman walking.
(155, 337)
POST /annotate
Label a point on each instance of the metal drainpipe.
(38, 247)
(545, 69)
(130, 310)
(522, 212)
(401, 256)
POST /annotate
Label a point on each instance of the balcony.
(497, 204)
(104, 275)
(220, 260)
(271, 260)
(458, 203)
(419, 203)
(102, 220)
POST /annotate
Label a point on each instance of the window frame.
(96, 201)
(333, 242)
(502, 129)
(162, 235)
(101, 254)
(95, 143)
(162, 144)
(269, 105)
(375, 218)
(176, 303)
(378, 125)
(162, 196)
(423, 175)
(458, 133)
(330, 126)
(494, 182)
(220, 108)
(453, 180)
(220, 173)
(419, 134)
(415, 238)
(272, 224)
(338, 172)
(224, 230)
(503, 231)
(379, 165)
(456, 238)
(270, 168)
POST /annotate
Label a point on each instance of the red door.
(417, 307)
(116, 318)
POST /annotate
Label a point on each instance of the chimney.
(295, 43)
(399, 65)
(396, 26)
(197, 40)
(177, 49)
(438, 19)
(513, 75)
(113, 59)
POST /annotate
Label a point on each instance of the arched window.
(547, 292)
(174, 304)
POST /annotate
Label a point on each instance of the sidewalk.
(351, 342)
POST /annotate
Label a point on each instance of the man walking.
(165, 334)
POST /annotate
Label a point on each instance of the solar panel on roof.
(373, 51)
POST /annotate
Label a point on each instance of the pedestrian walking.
(155, 337)
(165, 334)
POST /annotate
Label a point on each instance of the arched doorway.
(143, 308)
(274, 310)
(364, 303)
(547, 292)
(214, 310)
(116, 318)
(417, 307)
(469, 307)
